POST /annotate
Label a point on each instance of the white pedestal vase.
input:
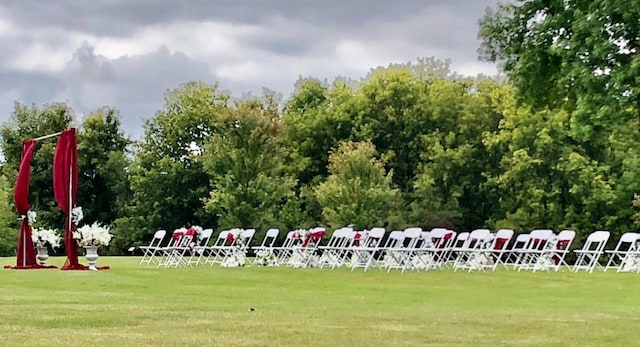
(42, 255)
(91, 253)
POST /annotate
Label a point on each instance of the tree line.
(552, 145)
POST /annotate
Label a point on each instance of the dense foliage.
(554, 145)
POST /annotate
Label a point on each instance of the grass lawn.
(131, 305)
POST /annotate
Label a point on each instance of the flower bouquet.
(92, 235)
(43, 238)
(266, 257)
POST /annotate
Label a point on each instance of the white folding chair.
(459, 242)
(365, 252)
(213, 252)
(393, 244)
(236, 254)
(590, 253)
(620, 257)
(264, 254)
(515, 252)
(560, 248)
(431, 250)
(175, 255)
(540, 240)
(472, 255)
(199, 249)
(404, 256)
(151, 250)
(283, 252)
(499, 251)
(331, 253)
(304, 255)
(488, 255)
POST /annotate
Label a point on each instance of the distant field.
(131, 305)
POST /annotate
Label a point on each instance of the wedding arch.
(65, 187)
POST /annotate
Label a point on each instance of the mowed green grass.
(132, 305)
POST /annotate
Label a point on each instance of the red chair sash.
(313, 237)
(177, 235)
(562, 244)
(500, 242)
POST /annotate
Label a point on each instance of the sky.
(128, 53)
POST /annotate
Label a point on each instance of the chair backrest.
(412, 236)
(596, 241)
(461, 239)
(539, 238)
(502, 239)
(438, 232)
(478, 237)
(435, 237)
(566, 235)
(204, 237)
(376, 232)
(246, 235)
(338, 236)
(373, 238)
(395, 240)
(270, 237)
(158, 236)
(627, 241)
(222, 238)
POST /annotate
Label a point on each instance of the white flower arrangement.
(631, 262)
(480, 260)
(422, 261)
(544, 262)
(45, 237)
(92, 235)
(266, 257)
(235, 259)
(76, 215)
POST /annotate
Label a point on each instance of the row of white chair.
(190, 247)
(410, 249)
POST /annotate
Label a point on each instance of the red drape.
(65, 187)
(26, 257)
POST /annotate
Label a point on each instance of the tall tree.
(583, 56)
(359, 191)
(103, 187)
(245, 160)
(168, 179)
(579, 59)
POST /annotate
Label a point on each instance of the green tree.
(103, 187)
(358, 190)
(245, 161)
(316, 119)
(574, 62)
(583, 56)
(168, 179)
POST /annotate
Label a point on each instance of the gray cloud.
(127, 53)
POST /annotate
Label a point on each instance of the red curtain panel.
(26, 256)
(65, 187)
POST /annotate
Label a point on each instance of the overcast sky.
(127, 53)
